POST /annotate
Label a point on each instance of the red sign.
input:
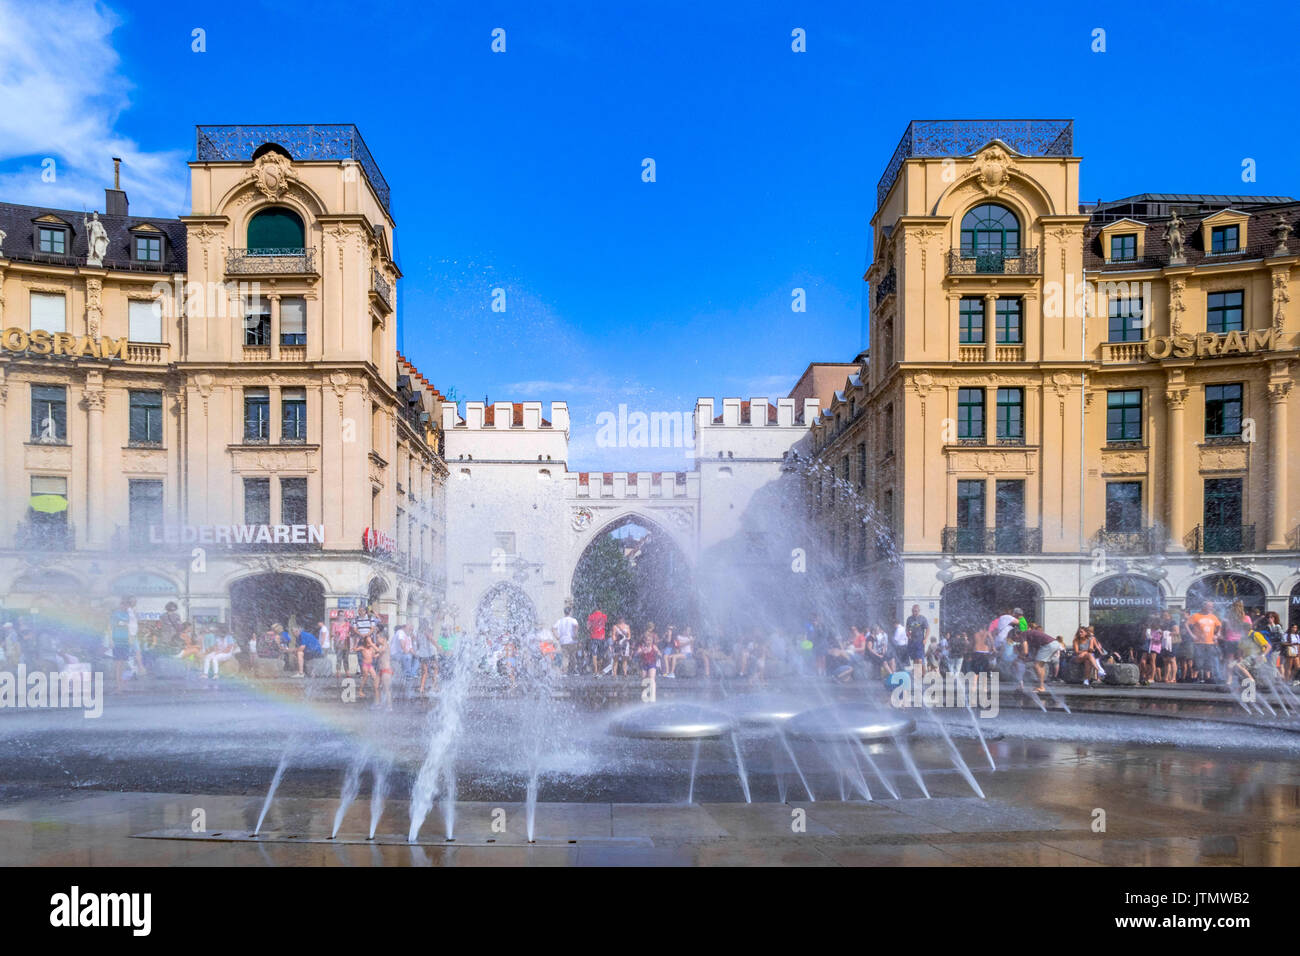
(376, 542)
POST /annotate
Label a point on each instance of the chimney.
(115, 199)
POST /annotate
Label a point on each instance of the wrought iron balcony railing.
(381, 288)
(887, 286)
(262, 262)
(32, 535)
(1141, 541)
(1043, 137)
(1022, 263)
(1222, 539)
(303, 142)
(1011, 539)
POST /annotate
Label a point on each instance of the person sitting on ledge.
(1084, 653)
(307, 649)
(191, 649)
(223, 650)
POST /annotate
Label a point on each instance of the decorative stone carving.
(146, 460)
(1174, 235)
(1278, 391)
(581, 519)
(1280, 298)
(94, 306)
(1281, 233)
(1176, 307)
(993, 169)
(989, 565)
(94, 399)
(96, 240)
(1124, 462)
(272, 175)
(1223, 458)
(1226, 563)
(1061, 382)
(1175, 398)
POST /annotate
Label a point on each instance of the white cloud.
(61, 93)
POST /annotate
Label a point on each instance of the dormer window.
(1123, 248)
(148, 248)
(52, 240)
(1225, 239)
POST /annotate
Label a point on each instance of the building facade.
(1085, 410)
(212, 410)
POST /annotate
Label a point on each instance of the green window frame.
(970, 321)
(1124, 415)
(1123, 248)
(1011, 415)
(148, 248)
(990, 228)
(1007, 319)
(970, 414)
(257, 414)
(1224, 311)
(53, 241)
(1123, 506)
(276, 231)
(50, 404)
(1223, 407)
(1126, 320)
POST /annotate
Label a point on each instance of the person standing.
(622, 646)
(596, 622)
(1206, 628)
(918, 633)
(566, 630)
(326, 645)
(1043, 649)
(119, 626)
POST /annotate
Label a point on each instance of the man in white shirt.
(1002, 626)
(566, 630)
(899, 641)
(326, 648)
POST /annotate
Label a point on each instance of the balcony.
(1222, 539)
(381, 290)
(33, 535)
(1123, 353)
(1029, 137)
(1022, 263)
(271, 262)
(146, 353)
(1141, 541)
(1012, 539)
(886, 287)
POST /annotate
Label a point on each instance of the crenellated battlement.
(755, 413)
(506, 416)
(632, 484)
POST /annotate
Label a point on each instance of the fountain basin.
(764, 710)
(672, 721)
(849, 722)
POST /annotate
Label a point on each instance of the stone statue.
(96, 240)
(1282, 232)
(1174, 234)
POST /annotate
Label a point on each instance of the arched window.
(990, 229)
(276, 231)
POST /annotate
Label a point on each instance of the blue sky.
(522, 170)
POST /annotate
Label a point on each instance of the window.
(1011, 416)
(257, 500)
(257, 322)
(49, 414)
(1123, 248)
(1223, 516)
(293, 406)
(888, 436)
(293, 321)
(1124, 416)
(889, 342)
(145, 424)
(990, 229)
(1224, 239)
(1123, 506)
(970, 414)
(145, 500)
(52, 240)
(293, 501)
(275, 232)
(257, 414)
(970, 517)
(970, 328)
(148, 248)
(48, 508)
(862, 464)
(1007, 317)
(144, 320)
(49, 312)
(1223, 411)
(1126, 319)
(1223, 312)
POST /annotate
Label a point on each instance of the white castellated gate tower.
(518, 520)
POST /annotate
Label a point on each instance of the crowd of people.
(1200, 645)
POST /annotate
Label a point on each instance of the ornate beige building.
(1085, 410)
(213, 410)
